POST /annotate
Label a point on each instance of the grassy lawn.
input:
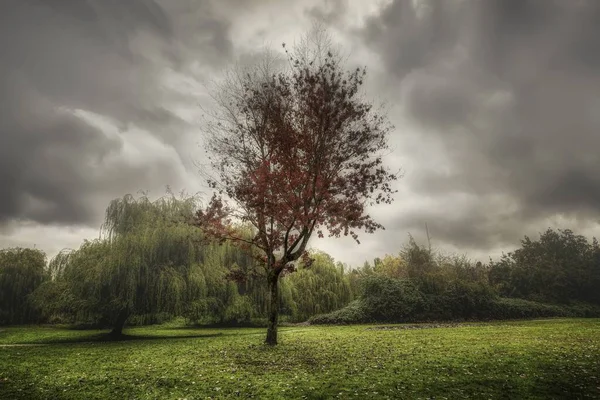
(510, 360)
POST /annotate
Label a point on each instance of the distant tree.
(392, 266)
(296, 151)
(500, 276)
(422, 266)
(145, 263)
(592, 288)
(22, 270)
(558, 267)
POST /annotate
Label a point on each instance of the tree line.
(555, 275)
(150, 265)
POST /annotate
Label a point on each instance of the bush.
(584, 310)
(469, 300)
(353, 313)
(388, 299)
(384, 299)
(508, 308)
(436, 308)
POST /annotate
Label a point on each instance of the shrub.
(508, 308)
(384, 299)
(584, 310)
(353, 313)
(469, 300)
(388, 299)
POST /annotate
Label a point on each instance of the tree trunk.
(120, 322)
(273, 310)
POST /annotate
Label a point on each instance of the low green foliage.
(518, 308)
(384, 299)
(354, 313)
(506, 308)
(382, 308)
(535, 360)
(388, 299)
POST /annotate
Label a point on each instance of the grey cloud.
(470, 226)
(510, 91)
(329, 12)
(503, 91)
(40, 156)
(107, 57)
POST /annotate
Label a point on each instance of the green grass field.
(506, 360)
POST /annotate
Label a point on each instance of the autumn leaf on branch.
(296, 151)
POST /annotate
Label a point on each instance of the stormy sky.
(496, 105)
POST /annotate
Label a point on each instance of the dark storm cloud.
(108, 57)
(39, 156)
(510, 91)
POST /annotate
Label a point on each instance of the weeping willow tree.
(145, 262)
(22, 270)
(321, 288)
(148, 262)
(53, 299)
(222, 302)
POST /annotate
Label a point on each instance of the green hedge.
(388, 299)
(353, 313)
(393, 300)
(506, 308)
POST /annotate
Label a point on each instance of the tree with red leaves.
(297, 151)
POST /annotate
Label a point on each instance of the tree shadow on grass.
(220, 327)
(226, 331)
(108, 337)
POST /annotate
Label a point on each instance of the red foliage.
(297, 152)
